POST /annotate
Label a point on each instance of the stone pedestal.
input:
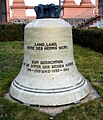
(19, 9)
(85, 2)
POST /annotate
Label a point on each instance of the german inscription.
(46, 46)
(49, 66)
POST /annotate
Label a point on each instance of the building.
(84, 10)
(69, 10)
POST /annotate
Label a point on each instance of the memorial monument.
(49, 76)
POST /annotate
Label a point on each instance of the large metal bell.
(49, 75)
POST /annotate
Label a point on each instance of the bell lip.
(54, 99)
(50, 90)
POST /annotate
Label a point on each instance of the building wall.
(85, 10)
(69, 10)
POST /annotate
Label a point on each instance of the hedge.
(11, 32)
(91, 38)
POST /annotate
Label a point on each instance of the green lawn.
(90, 65)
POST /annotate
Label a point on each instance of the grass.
(90, 65)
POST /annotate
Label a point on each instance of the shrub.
(91, 38)
(11, 32)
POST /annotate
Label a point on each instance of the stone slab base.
(58, 109)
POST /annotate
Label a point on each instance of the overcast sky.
(36, 2)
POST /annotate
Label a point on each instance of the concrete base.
(58, 109)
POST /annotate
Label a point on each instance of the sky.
(36, 2)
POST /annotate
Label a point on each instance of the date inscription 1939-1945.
(47, 11)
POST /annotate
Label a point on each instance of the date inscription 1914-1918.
(47, 11)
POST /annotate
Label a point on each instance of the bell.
(49, 76)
